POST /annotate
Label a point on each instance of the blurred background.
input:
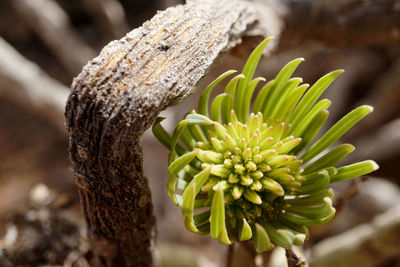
(45, 43)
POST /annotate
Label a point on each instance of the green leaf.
(354, 170)
(336, 131)
(312, 212)
(198, 119)
(261, 239)
(177, 133)
(227, 106)
(299, 130)
(306, 221)
(217, 218)
(187, 207)
(313, 199)
(247, 98)
(245, 231)
(289, 86)
(199, 179)
(330, 159)
(313, 129)
(319, 180)
(312, 96)
(279, 84)
(217, 105)
(160, 133)
(282, 238)
(293, 98)
(174, 168)
(248, 71)
(203, 102)
(259, 103)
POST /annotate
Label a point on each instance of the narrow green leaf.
(247, 98)
(160, 133)
(217, 218)
(313, 129)
(312, 96)
(248, 71)
(282, 238)
(354, 170)
(330, 159)
(312, 212)
(299, 129)
(281, 99)
(200, 179)
(217, 105)
(306, 221)
(336, 131)
(203, 102)
(198, 119)
(259, 103)
(227, 105)
(174, 168)
(292, 101)
(261, 239)
(187, 207)
(320, 181)
(177, 134)
(314, 199)
(245, 231)
(279, 84)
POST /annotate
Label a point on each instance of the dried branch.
(118, 96)
(366, 245)
(51, 24)
(109, 16)
(24, 82)
(352, 22)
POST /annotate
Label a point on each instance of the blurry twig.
(343, 22)
(51, 24)
(385, 98)
(109, 16)
(25, 82)
(348, 193)
(366, 245)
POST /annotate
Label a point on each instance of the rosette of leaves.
(242, 172)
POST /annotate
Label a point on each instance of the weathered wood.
(117, 97)
(24, 82)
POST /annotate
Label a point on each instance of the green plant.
(239, 175)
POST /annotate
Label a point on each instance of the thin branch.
(229, 255)
(24, 82)
(109, 16)
(353, 22)
(118, 96)
(47, 19)
(365, 245)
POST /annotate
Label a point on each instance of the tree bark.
(118, 95)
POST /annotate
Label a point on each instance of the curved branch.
(118, 95)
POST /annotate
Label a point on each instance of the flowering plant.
(244, 172)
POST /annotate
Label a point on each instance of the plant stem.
(229, 255)
(293, 260)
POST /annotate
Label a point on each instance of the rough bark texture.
(118, 95)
